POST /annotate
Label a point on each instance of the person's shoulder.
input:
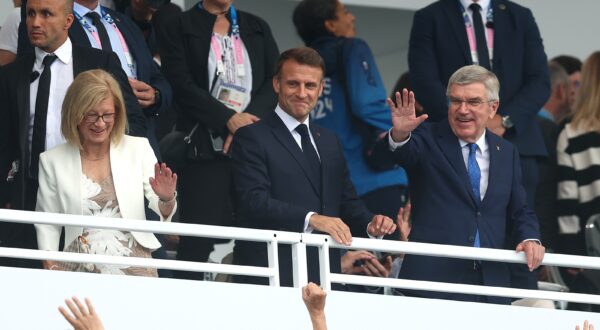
(58, 152)
(512, 6)
(253, 21)
(434, 7)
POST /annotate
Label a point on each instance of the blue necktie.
(474, 177)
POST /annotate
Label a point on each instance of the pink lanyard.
(489, 32)
(94, 33)
(238, 51)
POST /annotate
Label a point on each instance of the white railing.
(299, 242)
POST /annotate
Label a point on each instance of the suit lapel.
(120, 180)
(73, 158)
(322, 150)
(457, 25)
(78, 35)
(78, 62)
(285, 138)
(497, 157)
(450, 147)
(129, 40)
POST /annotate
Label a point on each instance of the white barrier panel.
(30, 298)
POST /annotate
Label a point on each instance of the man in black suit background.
(32, 90)
(291, 175)
(103, 28)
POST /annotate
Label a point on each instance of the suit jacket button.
(478, 213)
(471, 238)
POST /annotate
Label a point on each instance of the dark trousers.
(21, 235)
(204, 198)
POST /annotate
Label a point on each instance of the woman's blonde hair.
(88, 90)
(587, 104)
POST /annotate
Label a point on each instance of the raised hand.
(81, 317)
(404, 118)
(164, 182)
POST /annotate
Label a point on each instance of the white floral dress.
(100, 199)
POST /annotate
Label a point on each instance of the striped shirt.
(578, 153)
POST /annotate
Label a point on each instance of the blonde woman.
(100, 171)
(578, 152)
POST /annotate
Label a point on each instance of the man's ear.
(330, 26)
(494, 108)
(69, 21)
(276, 86)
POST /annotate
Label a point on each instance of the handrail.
(299, 241)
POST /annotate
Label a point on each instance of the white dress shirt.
(291, 123)
(115, 41)
(61, 78)
(485, 5)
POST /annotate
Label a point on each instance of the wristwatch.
(507, 123)
(157, 96)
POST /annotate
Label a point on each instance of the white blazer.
(60, 188)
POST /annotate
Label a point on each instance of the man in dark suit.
(125, 39)
(465, 185)
(504, 38)
(28, 120)
(513, 50)
(290, 174)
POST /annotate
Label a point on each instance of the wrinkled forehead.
(471, 90)
(292, 70)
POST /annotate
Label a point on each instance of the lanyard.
(237, 46)
(489, 31)
(106, 16)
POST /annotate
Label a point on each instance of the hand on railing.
(81, 317)
(335, 227)
(534, 251)
(586, 326)
(314, 298)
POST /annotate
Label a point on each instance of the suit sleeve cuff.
(395, 145)
(307, 227)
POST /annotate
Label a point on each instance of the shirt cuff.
(307, 227)
(395, 145)
(532, 239)
(371, 236)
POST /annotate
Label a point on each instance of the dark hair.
(571, 64)
(310, 16)
(301, 55)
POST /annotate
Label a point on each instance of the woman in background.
(100, 171)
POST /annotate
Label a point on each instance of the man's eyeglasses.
(472, 103)
(91, 118)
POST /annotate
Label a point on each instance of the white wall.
(30, 298)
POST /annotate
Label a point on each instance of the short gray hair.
(471, 74)
(558, 74)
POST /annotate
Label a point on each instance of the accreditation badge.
(232, 96)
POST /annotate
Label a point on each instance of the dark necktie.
(38, 140)
(104, 39)
(474, 177)
(482, 49)
(309, 152)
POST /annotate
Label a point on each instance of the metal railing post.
(299, 264)
(324, 265)
(273, 254)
